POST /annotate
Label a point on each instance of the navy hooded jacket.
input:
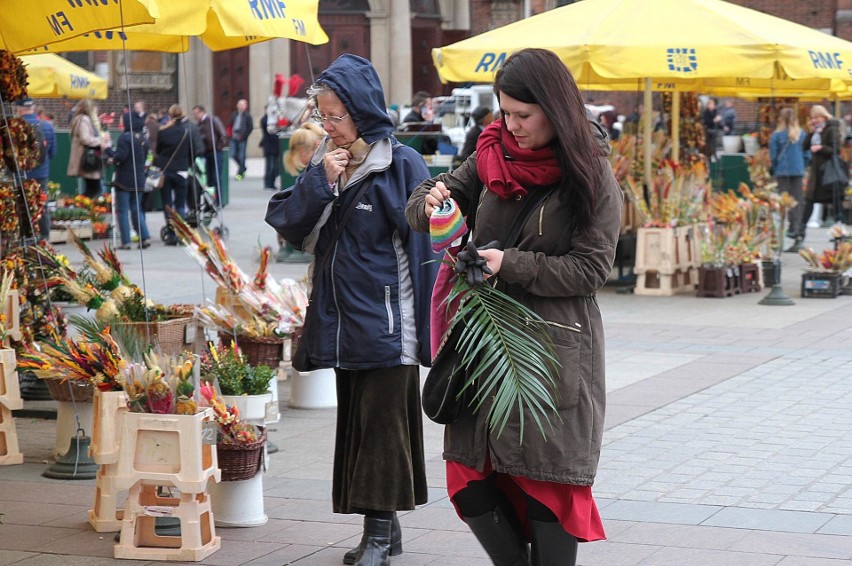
(129, 155)
(370, 304)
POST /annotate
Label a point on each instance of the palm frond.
(129, 341)
(508, 355)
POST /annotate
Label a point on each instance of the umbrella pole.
(676, 126)
(646, 132)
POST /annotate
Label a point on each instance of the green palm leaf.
(508, 355)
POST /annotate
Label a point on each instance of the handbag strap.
(177, 147)
(534, 199)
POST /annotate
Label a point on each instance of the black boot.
(551, 545)
(375, 544)
(797, 245)
(503, 542)
(395, 543)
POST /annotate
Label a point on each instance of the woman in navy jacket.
(369, 312)
(129, 158)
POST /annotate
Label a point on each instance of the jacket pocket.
(566, 341)
(388, 308)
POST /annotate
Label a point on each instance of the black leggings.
(481, 497)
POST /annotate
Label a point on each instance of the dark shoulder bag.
(301, 357)
(443, 397)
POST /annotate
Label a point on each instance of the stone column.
(265, 60)
(195, 76)
(390, 48)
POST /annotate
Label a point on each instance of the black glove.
(471, 265)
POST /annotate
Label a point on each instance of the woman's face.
(526, 122)
(341, 133)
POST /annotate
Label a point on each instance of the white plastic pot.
(252, 408)
(313, 390)
(238, 503)
(732, 144)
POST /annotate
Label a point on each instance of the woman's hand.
(335, 163)
(494, 260)
(437, 194)
(815, 148)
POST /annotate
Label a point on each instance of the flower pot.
(732, 144)
(238, 503)
(252, 408)
(313, 390)
(751, 145)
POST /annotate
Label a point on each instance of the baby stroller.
(202, 204)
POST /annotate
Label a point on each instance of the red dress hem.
(573, 505)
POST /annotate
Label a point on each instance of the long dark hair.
(537, 76)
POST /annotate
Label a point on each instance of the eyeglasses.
(316, 116)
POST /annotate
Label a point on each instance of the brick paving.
(728, 437)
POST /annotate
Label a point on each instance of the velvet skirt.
(378, 452)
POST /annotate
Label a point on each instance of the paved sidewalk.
(728, 438)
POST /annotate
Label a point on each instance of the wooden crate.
(818, 285)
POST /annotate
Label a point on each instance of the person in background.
(421, 108)
(729, 118)
(303, 144)
(41, 173)
(372, 284)
(823, 139)
(271, 146)
(215, 140)
(712, 121)
(84, 134)
(607, 120)
(241, 126)
(481, 117)
(507, 487)
(173, 157)
(787, 156)
(129, 157)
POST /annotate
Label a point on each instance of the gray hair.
(316, 90)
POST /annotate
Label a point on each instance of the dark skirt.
(378, 452)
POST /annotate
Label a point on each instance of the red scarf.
(511, 178)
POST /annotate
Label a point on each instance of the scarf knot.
(508, 170)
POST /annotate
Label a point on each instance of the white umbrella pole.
(646, 132)
(676, 126)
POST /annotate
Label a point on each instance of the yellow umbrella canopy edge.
(52, 76)
(666, 40)
(203, 18)
(50, 21)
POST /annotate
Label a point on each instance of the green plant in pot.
(228, 366)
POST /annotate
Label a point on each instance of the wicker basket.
(258, 351)
(70, 390)
(169, 334)
(241, 461)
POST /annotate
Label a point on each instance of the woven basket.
(241, 461)
(70, 390)
(169, 334)
(258, 351)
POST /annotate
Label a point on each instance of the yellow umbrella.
(28, 24)
(221, 24)
(605, 41)
(52, 76)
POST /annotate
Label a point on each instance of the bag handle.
(533, 200)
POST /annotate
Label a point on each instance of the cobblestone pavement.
(728, 438)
